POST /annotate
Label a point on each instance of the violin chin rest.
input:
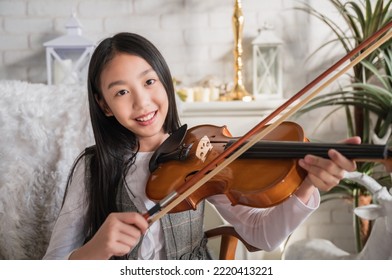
(169, 145)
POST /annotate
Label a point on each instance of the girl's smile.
(147, 119)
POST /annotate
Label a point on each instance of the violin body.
(252, 181)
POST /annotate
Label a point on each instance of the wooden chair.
(229, 241)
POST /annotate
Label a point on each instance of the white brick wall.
(196, 38)
(200, 29)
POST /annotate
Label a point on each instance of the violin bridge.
(203, 147)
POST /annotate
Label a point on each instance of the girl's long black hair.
(108, 164)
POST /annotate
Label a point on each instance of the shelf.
(228, 108)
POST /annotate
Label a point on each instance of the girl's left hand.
(324, 173)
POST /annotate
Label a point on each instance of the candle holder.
(267, 64)
(67, 57)
(238, 92)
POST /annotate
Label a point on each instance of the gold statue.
(238, 92)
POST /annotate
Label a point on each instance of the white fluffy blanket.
(43, 129)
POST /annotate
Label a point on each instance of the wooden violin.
(263, 176)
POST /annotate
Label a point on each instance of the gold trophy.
(238, 92)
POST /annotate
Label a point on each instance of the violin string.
(283, 155)
(258, 136)
(299, 149)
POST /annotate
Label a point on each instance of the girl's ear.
(104, 106)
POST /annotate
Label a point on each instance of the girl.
(132, 108)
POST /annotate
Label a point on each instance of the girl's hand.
(324, 173)
(116, 237)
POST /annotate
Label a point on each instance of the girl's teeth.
(146, 118)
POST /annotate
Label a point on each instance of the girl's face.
(135, 96)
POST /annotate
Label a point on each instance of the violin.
(202, 174)
(263, 176)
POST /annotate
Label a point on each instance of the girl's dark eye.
(122, 92)
(150, 82)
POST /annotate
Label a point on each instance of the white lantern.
(67, 56)
(267, 65)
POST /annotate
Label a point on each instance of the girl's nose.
(141, 98)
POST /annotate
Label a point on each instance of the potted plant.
(367, 100)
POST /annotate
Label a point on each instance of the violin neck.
(287, 149)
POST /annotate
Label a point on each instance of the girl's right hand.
(116, 237)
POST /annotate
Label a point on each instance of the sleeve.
(266, 228)
(68, 231)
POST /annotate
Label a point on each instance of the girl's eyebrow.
(145, 72)
(121, 82)
(115, 83)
